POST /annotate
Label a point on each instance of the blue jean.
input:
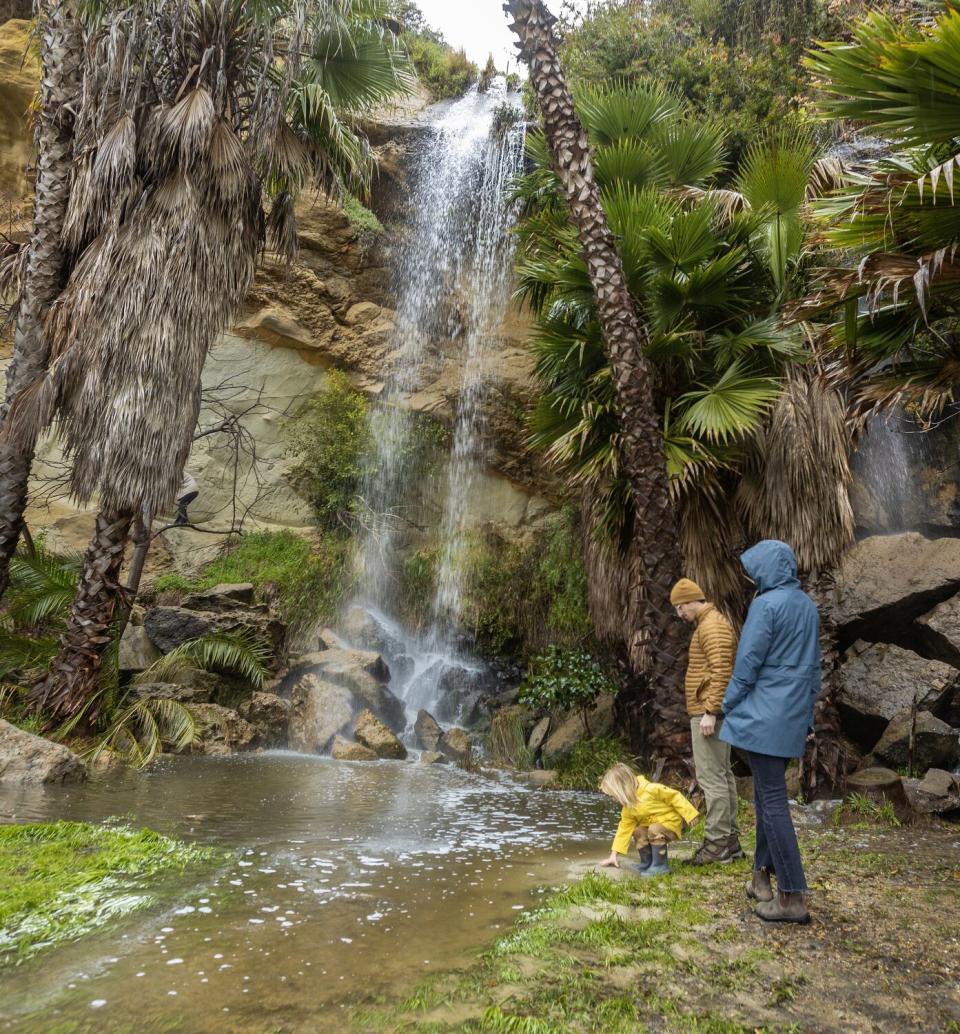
(777, 846)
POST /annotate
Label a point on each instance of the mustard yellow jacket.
(658, 804)
(713, 650)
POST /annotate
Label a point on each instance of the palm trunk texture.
(45, 272)
(74, 678)
(660, 649)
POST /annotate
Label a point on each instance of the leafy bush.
(444, 71)
(584, 766)
(569, 680)
(332, 442)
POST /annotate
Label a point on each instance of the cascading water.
(453, 277)
(886, 465)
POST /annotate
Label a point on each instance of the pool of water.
(339, 882)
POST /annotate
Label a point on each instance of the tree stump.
(882, 785)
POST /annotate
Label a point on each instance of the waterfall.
(453, 285)
(886, 464)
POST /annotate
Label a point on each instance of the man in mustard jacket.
(713, 650)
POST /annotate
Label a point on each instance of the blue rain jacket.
(768, 705)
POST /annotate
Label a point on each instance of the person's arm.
(719, 646)
(679, 803)
(621, 842)
(751, 654)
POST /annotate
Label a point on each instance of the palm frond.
(216, 651)
(729, 408)
(142, 729)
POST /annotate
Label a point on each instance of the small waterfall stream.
(453, 278)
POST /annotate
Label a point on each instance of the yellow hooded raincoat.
(656, 804)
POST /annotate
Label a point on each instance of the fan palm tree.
(659, 644)
(176, 147)
(895, 223)
(755, 442)
(37, 275)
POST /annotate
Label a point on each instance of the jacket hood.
(772, 565)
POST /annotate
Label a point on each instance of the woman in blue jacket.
(768, 711)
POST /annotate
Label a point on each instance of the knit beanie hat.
(686, 591)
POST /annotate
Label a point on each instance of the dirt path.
(686, 954)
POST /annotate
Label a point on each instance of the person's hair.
(620, 783)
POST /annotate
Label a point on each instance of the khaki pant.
(653, 834)
(711, 756)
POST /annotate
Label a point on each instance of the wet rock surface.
(31, 760)
(456, 745)
(220, 731)
(600, 722)
(269, 715)
(347, 750)
(427, 730)
(373, 733)
(364, 674)
(934, 743)
(319, 710)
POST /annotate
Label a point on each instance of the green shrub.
(332, 442)
(444, 71)
(584, 766)
(521, 597)
(417, 587)
(569, 680)
(507, 740)
(306, 580)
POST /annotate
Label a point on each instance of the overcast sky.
(479, 26)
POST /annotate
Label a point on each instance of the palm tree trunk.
(823, 766)
(74, 678)
(45, 273)
(660, 646)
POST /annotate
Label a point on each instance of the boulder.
(270, 717)
(108, 762)
(600, 722)
(373, 733)
(936, 793)
(170, 627)
(344, 750)
(137, 653)
(935, 744)
(221, 598)
(898, 572)
(319, 710)
(363, 631)
(427, 730)
(433, 757)
(539, 735)
(941, 631)
(542, 777)
(220, 731)
(363, 673)
(455, 744)
(879, 681)
(461, 690)
(30, 760)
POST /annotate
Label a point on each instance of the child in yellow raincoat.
(652, 815)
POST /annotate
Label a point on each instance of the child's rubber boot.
(759, 889)
(646, 857)
(784, 908)
(658, 863)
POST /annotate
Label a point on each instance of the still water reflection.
(341, 881)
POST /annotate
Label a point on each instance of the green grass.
(59, 881)
(583, 767)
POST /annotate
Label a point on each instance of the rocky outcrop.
(220, 731)
(600, 721)
(461, 691)
(879, 681)
(941, 631)
(372, 733)
(30, 760)
(363, 674)
(935, 744)
(137, 652)
(169, 627)
(433, 757)
(183, 694)
(344, 750)
(427, 730)
(456, 745)
(319, 711)
(269, 715)
(937, 793)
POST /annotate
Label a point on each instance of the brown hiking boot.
(759, 889)
(711, 852)
(784, 908)
(734, 850)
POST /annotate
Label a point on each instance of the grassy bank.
(685, 955)
(59, 881)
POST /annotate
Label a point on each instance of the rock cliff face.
(332, 309)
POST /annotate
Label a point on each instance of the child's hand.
(612, 862)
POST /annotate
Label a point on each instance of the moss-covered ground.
(685, 953)
(61, 880)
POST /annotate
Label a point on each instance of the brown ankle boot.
(784, 908)
(759, 889)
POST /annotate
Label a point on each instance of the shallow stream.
(339, 882)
